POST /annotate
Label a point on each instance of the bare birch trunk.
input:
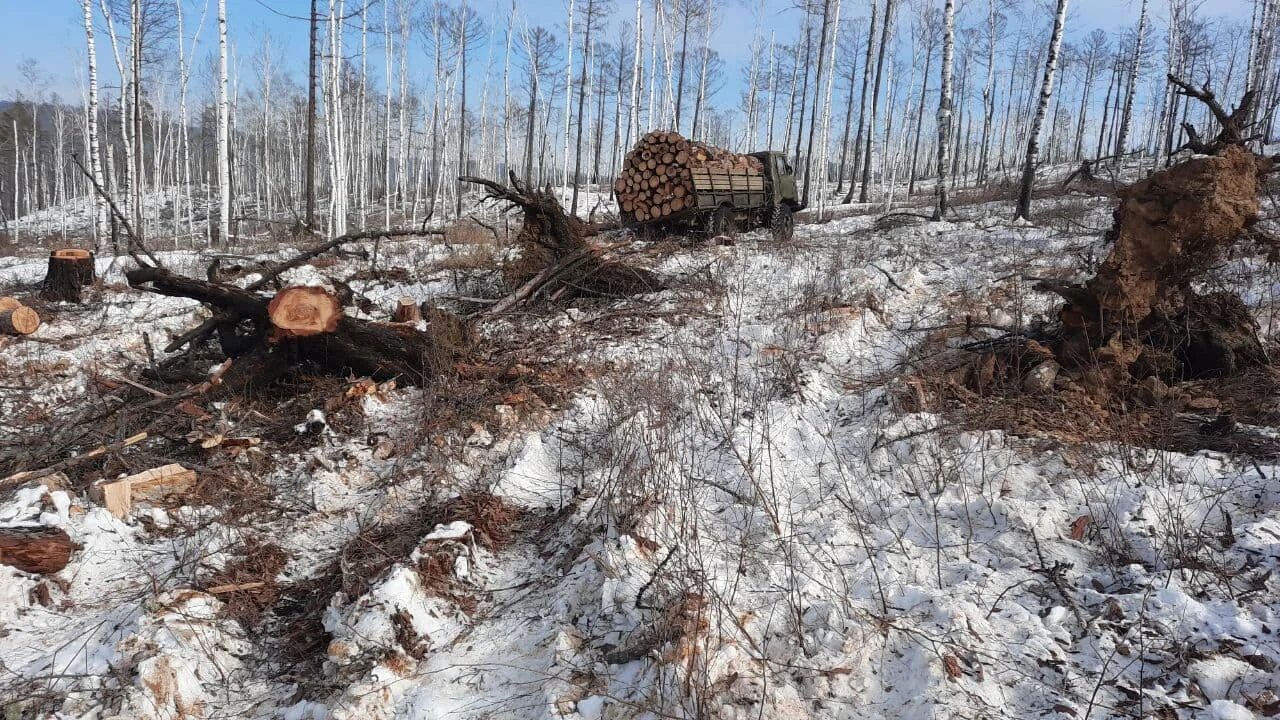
(1046, 90)
(1126, 116)
(944, 107)
(224, 120)
(95, 162)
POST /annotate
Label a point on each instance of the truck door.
(786, 185)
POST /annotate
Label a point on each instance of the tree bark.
(944, 108)
(69, 271)
(1126, 116)
(38, 550)
(875, 100)
(1046, 90)
(224, 123)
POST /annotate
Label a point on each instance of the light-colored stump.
(407, 310)
(155, 485)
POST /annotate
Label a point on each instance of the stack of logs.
(657, 175)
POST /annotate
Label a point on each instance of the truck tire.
(720, 221)
(782, 224)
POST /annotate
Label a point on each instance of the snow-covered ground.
(730, 516)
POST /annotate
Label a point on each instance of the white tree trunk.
(1126, 117)
(224, 121)
(568, 96)
(944, 107)
(1046, 90)
(95, 166)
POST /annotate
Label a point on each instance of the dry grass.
(258, 561)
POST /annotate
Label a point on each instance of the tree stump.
(407, 311)
(21, 320)
(40, 550)
(70, 269)
(297, 312)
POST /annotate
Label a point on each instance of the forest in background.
(402, 96)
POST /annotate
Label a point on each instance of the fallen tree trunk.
(555, 254)
(70, 270)
(299, 325)
(40, 550)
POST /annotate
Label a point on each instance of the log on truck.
(671, 182)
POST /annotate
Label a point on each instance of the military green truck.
(668, 182)
(735, 201)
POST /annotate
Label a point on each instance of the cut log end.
(8, 302)
(40, 550)
(19, 321)
(304, 311)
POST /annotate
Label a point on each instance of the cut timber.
(304, 311)
(379, 350)
(407, 311)
(9, 302)
(664, 166)
(19, 321)
(70, 269)
(154, 485)
(40, 550)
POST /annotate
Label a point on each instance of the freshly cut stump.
(70, 269)
(304, 311)
(40, 550)
(21, 320)
(407, 310)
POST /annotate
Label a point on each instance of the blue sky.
(50, 30)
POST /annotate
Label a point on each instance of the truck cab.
(781, 179)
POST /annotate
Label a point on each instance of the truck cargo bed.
(743, 189)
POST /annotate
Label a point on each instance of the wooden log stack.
(657, 175)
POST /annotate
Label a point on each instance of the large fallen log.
(556, 256)
(299, 325)
(40, 550)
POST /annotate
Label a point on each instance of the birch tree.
(1046, 90)
(1126, 116)
(944, 107)
(91, 125)
(875, 99)
(224, 121)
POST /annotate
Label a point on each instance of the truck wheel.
(720, 221)
(782, 224)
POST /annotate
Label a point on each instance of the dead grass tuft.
(258, 561)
